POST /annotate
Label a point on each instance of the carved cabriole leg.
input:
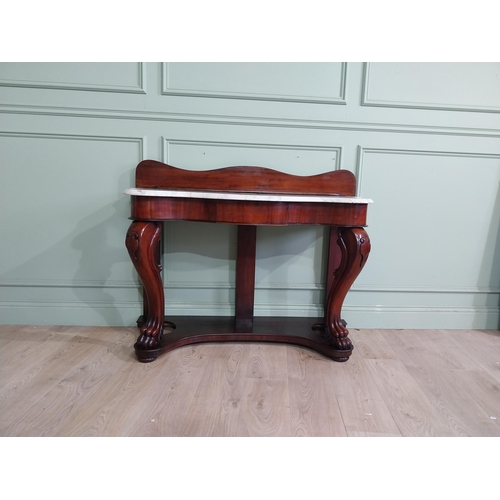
(142, 242)
(354, 245)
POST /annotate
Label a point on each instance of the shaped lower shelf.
(303, 332)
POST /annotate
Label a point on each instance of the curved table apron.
(349, 247)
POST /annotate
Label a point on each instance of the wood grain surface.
(85, 381)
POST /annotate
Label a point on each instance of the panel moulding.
(363, 151)
(167, 142)
(69, 284)
(127, 89)
(189, 307)
(321, 286)
(82, 137)
(172, 285)
(427, 289)
(141, 141)
(472, 290)
(359, 317)
(366, 101)
(341, 99)
(164, 116)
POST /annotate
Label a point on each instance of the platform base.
(199, 329)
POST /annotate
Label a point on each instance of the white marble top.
(226, 195)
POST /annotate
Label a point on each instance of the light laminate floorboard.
(86, 381)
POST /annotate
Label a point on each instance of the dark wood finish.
(142, 242)
(354, 247)
(245, 276)
(246, 212)
(198, 329)
(334, 260)
(349, 247)
(156, 175)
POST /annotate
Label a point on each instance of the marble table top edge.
(226, 195)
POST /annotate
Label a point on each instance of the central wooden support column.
(245, 278)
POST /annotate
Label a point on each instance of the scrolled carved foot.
(338, 327)
(339, 334)
(150, 334)
(343, 344)
(146, 342)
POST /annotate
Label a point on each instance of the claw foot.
(147, 342)
(150, 335)
(343, 344)
(339, 335)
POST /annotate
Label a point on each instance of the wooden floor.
(86, 381)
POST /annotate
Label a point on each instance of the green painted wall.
(422, 138)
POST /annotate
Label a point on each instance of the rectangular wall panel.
(63, 211)
(435, 239)
(447, 86)
(295, 82)
(436, 220)
(95, 76)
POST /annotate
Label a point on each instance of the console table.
(247, 197)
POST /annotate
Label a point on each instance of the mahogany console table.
(247, 197)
